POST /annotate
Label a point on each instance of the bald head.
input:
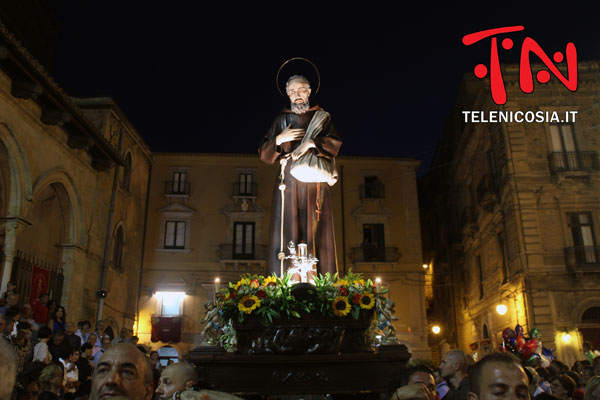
(122, 370)
(176, 378)
(454, 364)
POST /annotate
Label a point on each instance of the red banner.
(40, 280)
(166, 329)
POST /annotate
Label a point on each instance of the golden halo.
(294, 59)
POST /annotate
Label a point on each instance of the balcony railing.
(230, 251)
(245, 189)
(573, 161)
(374, 254)
(177, 188)
(372, 191)
(582, 255)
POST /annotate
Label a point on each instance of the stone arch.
(15, 171)
(70, 198)
(581, 307)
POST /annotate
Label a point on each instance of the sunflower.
(341, 307)
(240, 283)
(248, 303)
(270, 281)
(367, 301)
(341, 282)
(360, 282)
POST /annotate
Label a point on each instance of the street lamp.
(501, 309)
(436, 329)
(566, 337)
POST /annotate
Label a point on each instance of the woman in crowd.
(57, 319)
(40, 351)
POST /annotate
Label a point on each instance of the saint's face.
(298, 91)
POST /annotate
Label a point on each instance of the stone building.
(511, 214)
(73, 180)
(209, 218)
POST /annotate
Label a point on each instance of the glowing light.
(425, 266)
(436, 329)
(501, 309)
(378, 284)
(566, 337)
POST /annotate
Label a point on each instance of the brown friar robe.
(300, 215)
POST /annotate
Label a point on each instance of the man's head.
(106, 342)
(26, 311)
(175, 378)
(298, 90)
(44, 298)
(69, 327)
(8, 369)
(498, 376)
(422, 374)
(11, 299)
(122, 371)
(100, 326)
(59, 337)
(124, 333)
(25, 327)
(92, 339)
(84, 325)
(454, 362)
(588, 372)
(563, 386)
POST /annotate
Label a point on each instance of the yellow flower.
(270, 281)
(367, 301)
(240, 283)
(248, 303)
(341, 282)
(341, 307)
(359, 282)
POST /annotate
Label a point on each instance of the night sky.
(202, 78)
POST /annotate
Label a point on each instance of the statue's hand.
(289, 135)
(303, 148)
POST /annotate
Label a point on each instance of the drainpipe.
(343, 217)
(139, 291)
(111, 211)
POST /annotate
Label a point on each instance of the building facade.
(510, 216)
(73, 180)
(209, 217)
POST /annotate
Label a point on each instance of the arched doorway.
(39, 250)
(589, 326)
(166, 354)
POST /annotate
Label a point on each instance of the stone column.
(74, 271)
(12, 227)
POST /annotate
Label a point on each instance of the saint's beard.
(300, 108)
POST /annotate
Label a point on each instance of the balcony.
(177, 188)
(250, 260)
(582, 256)
(487, 192)
(468, 221)
(374, 254)
(245, 189)
(372, 191)
(573, 161)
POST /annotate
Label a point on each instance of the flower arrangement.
(271, 297)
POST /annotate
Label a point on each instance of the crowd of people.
(43, 356)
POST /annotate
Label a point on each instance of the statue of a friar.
(303, 137)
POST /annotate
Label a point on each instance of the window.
(564, 149)
(373, 188)
(584, 241)
(169, 303)
(118, 244)
(480, 274)
(245, 184)
(243, 240)
(126, 176)
(179, 183)
(175, 234)
(504, 252)
(373, 242)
